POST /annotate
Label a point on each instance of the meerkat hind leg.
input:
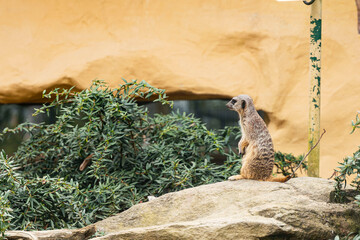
(235, 177)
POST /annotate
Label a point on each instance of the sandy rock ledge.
(246, 209)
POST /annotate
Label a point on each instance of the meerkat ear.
(243, 104)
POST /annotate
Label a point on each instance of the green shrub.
(125, 157)
(104, 154)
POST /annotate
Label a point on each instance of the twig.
(86, 161)
(293, 174)
(26, 165)
(334, 174)
(292, 170)
(20, 167)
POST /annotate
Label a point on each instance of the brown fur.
(255, 143)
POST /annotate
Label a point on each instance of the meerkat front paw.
(234, 178)
(242, 151)
(242, 146)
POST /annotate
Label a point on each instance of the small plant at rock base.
(350, 236)
(349, 167)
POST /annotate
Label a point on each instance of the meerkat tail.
(234, 178)
(279, 179)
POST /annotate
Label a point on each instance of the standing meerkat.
(255, 143)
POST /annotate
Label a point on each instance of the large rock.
(246, 209)
(60, 234)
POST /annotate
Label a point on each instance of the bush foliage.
(104, 154)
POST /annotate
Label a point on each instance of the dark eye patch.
(243, 104)
(233, 101)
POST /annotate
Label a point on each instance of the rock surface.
(63, 234)
(246, 209)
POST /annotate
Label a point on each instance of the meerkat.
(255, 144)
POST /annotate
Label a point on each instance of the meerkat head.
(241, 104)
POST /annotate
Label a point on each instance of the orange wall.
(205, 48)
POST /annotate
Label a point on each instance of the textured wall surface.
(194, 49)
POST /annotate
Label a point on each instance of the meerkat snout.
(231, 104)
(237, 103)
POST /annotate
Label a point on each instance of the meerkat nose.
(229, 105)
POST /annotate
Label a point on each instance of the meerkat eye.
(243, 104)
(233, 101)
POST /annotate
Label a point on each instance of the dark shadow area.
(213, 113)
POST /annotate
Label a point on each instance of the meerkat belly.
(243, 134)
(248, 161)
(258, 162)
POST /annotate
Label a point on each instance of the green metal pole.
(315, 67)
